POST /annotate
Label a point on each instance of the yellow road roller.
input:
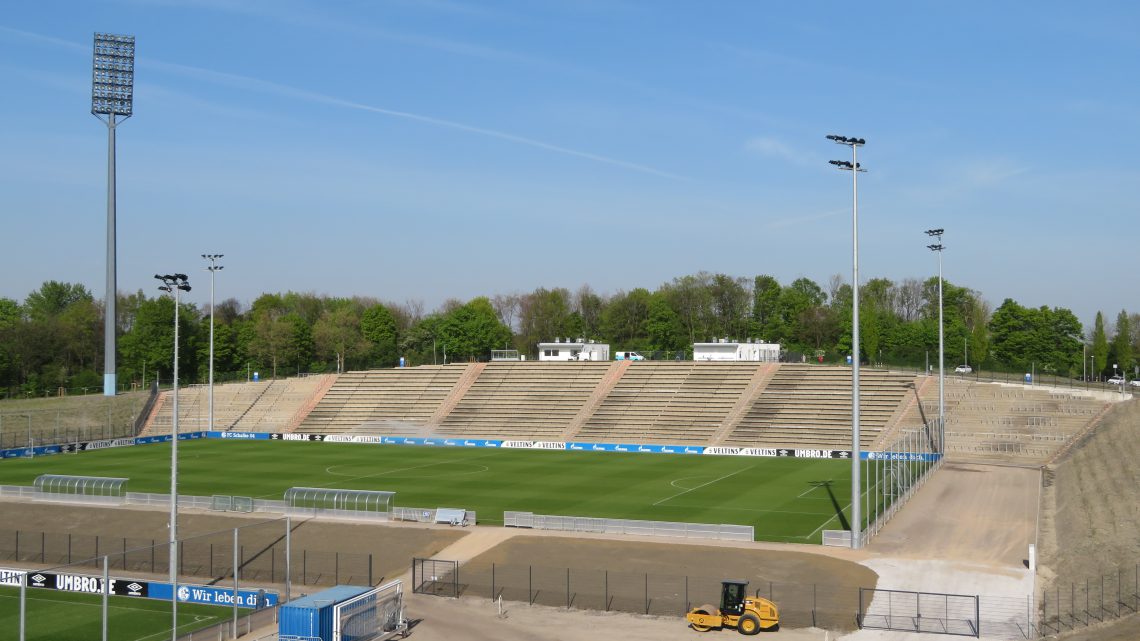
(748, 614)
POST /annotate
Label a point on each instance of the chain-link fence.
(41, 422)
(801, 605)
(261, 555)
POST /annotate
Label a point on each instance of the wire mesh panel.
(435, 576)
(919, 612)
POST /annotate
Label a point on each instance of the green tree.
(1122, 343)
(625, 318)
(543, 316)
(663, 328)
(337, 335)
(52, 298)
(766, 321)
(378, 325)
(472, 330)
(1099, 347)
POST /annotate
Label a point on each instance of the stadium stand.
(668, 402)
(1008, 422)
(810, 406)
(524, 400)
(263, 406)
(388, 401)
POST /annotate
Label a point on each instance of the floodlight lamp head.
(180, 276)
(934, 232)
(834, 137)
(936, 248)
(184, 287)
(165, 288)
(113, 75)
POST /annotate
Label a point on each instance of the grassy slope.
(64, 616)
(774, 495)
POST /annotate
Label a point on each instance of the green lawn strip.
(68, 616)
(781, 497)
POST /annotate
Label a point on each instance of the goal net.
(376, 614)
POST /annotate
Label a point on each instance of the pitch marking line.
(812, 489)
(668, 498)
(366, 476)
(480, 470)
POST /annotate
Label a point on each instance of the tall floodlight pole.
(938, 247)
(112, 101)
(173, 284)
(854, 167)
(213, 258)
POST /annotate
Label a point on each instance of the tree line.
(54, 338)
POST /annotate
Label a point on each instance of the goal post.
(376, 614)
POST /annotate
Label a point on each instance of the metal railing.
(721, 532)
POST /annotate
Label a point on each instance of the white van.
(628, 356)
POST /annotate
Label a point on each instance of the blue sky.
(435, 149)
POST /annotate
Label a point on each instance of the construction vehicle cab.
(749, 615)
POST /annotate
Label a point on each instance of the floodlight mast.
(213, 267)
(938, 247)
(855, 168)
(172, 284)
(112, 101)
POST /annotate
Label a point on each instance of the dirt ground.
(1092, 501)
(983, 514)
(392, 546)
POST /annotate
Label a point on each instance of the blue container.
(312, 616)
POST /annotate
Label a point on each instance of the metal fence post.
(23, 603)
(237, 570)
(336, 567)
(492, 582)
(813, 622)
(647, 593)
(567, 588)
(288, 558)
(978, 615)
(607, 591)
(370, 569)
(106, 592)
(529, 585)
(686, 593)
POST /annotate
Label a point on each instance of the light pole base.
(108, 385)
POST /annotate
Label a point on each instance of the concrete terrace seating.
(668, 402)
(231, 401)
(1012, 422)
(523, 400)
(385, 401)
(810, 406)
(273, 410)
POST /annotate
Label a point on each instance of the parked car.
(963, 369)
(1116, 380)
(1134, 382)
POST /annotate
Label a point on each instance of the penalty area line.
(669, 498)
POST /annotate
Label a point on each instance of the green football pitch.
(64, 616)
(784, 499)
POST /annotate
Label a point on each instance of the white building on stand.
(723, 349)
(573, 350)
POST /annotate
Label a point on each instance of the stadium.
(621, 487)
(315, 472)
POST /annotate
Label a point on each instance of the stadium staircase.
(764, 373)
(609, 381)
(809, 406)
(523, 400)
(397, 401)
(682, 402)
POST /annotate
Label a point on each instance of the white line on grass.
(366, 476)
(812, 489)
(703, 485)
